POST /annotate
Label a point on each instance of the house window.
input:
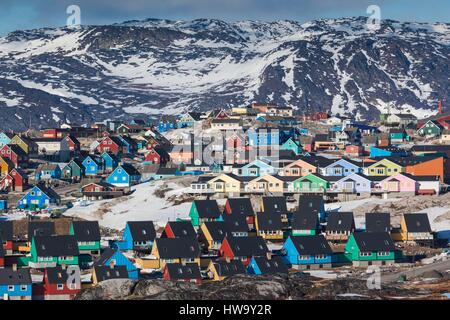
(10, 288)
(60, 286)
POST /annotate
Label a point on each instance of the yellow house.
(239, 110)
(5, 166)
(414, 227)
(266, 183)
(298, 168)
(225, 183)
(383, 167)
(176, 250)
(25, 143)
(212, 234)
(269, 225)
(102, 273)
(220, 269)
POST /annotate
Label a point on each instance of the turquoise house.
(125, 175)
(292, 145)
(257, 168)
(116, 257)
(305, 251)
(91, 166)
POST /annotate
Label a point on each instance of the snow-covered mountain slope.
(158, 67)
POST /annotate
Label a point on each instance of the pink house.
(399, 183)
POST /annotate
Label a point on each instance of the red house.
(157, 155)
(190, 272)
(179, 229)
(15, 154)
(15, 180)
(110, 144)
(6, 235)
(243, 248)
(55, 285)
(74, 144)
(52, 133)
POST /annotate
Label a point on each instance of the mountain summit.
(155, 67)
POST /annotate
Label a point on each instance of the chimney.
(440, 111)
(14, 266)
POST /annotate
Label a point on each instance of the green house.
(49, 251)
(430, 128)
(370, 248)
(310, 183)
(87, 235)
(204, 211)
(292, 145)
(73, 170)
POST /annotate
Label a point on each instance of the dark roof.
(182, 229)
(248, 246)
(51, 246)
(40, 228)
(236, 223)
(378, 222)
(271, 266)
(6, 230)
(269, 221)
(56, 275)
(340, 221)
(132, 171)
(305, 220)
(2, 250)
(374, 241)
(10, 277)
(107, 272)
(311, 245)
(417, 222)
(207, 208)
(218, 230)
(142, 230)
(172, 248)
(229, 268)
(104, 257)
(274, 204)
(48, 191)
(242, 206)
(312, 203)
(177, 271)
(430, 147)
(86, 230)
(163, 170)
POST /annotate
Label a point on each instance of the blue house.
(129, 146)
(167, 123)
(263, 265)
(307, 251)
(125, 175)
(387, 152)
(16, 284)
(256, 168)
(263, 137)
(340, 168)
(188, 120)
(109, 161)
(292, 145)
(39, 197)
(112, 256)
(137, 236)
(5, 138)
(92, 167)
(48, 171)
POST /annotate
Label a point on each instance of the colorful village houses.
(26, 144)
(87, 235)
(15, 284)
(6, 165)
(50, 251)
(189, 272)
(137, 236)
(378, 222)
(125, 175)
(14, 153)
(340, 225)
(269, 225)
(92, 166)
(15, 180)
(370, 248)
(110, 144)
(203, 211)
(74, 170)
(241, 206)
(266, 265)
(212, 233)
(107, 272)
(109, 161)
(414, 227)
(38, 197)
(243, 248)
(47, 171)
(237, 224)
(176, 250)
(57, 285)
(308, 252)
(179, 229)
(115, 258)
(221, 269)
(304, 223)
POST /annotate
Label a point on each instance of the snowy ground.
(141, 205)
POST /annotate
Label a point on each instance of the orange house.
(5, 166)
(432, 167)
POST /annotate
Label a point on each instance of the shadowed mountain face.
(155, 67)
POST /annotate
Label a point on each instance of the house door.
(348, 186)
(394, 186)
(306, 185)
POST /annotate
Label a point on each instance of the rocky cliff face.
(152, 67)
(242, 288)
